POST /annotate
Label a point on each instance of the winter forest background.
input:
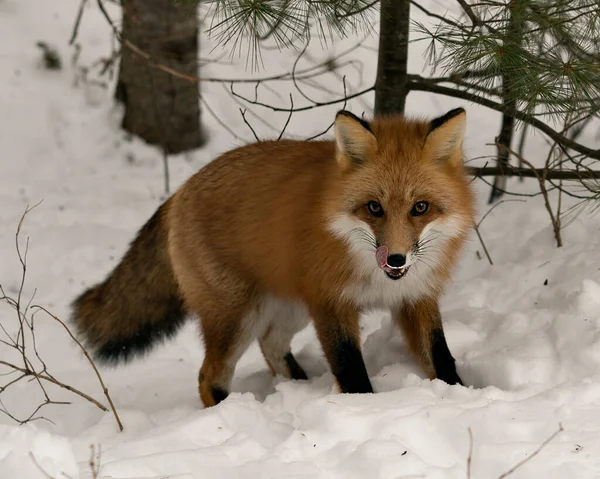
(107, 106)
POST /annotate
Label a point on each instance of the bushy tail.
(138, 304)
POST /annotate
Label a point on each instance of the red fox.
(274, 234)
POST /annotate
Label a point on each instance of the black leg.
(339, 335)
(219, 394)
(443, 362)
(349, 367)
(296, 371)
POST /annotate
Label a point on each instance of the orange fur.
(265, 237)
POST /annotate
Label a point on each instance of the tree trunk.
(392, 80)
(160, 108)
(504, 140)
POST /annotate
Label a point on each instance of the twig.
(333, 122)
(487, 253)
(551, 174)
(304, 108)
(259, 118)
(95, 461)
(359, 10)
(216, 117)
(554, 218)
(288, 118)
(521, 149)
(470, 13)
(494, 207)
(77, 22)
(446, 20)
(542, 182)
(243, 112)
(89, 358)
(24, 341)
(535, 453)
(40, 468)
(53, 380)
(166, 131)
(470, 457)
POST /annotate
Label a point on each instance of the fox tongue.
(381, 254)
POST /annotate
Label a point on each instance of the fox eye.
(375, 209)
(419, 208)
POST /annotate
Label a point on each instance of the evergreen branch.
(303, 74)
(360, 10)
(286, 21)
(422, 84)
(429, 13)
(475, 20)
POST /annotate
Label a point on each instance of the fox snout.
(394, 265)
(396, 260)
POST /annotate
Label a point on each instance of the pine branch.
(286, 22)
(423, 84)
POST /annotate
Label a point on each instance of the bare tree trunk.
(504, 140)
(160, 108)
(392, 79)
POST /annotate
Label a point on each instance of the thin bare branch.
(345, 98)
(288, 118)
(509, 170)
(485, 250)
(533, 454)
(494, 207)
(23, 342)
(243, 112)
(542, 181)
(470, 456)
(77, 22)
(89, 358)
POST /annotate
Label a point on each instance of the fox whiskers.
(362, 235)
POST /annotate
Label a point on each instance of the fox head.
(403, 203)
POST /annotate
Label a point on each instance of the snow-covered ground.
(525, 332)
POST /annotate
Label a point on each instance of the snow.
(525, 331)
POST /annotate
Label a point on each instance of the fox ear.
(354, 139)
(445, 138)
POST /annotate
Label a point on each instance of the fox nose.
(396, 260)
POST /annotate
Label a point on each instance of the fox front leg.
(421, 323)
(339, 334)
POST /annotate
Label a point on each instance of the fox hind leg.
(228, 329)
(285, 320)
